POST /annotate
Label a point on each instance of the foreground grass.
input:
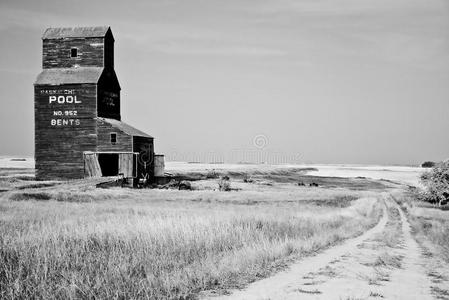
(429, 225)
(433, 230)
(159, 249)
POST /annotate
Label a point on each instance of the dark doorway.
(108, 164)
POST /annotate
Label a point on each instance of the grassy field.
(430, 225)
(434, 230)
(70, 240)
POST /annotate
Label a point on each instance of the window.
(113, 138)
(74, 52)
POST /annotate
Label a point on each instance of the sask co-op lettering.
(64, 117)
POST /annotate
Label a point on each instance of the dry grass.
(388, 260)
(433, 230)
(283, 175)
(429, 225)
(315, 291)
(63, 195)
(375, 294)
(70, 240)
(392, 237)
(387, 241)
(157, 244)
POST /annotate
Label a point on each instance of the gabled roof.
(78, 75)
(75, 32)
(128, 129)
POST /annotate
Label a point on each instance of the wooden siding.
(126, 164)
(124, 141)
(70, 101)
(63, 131)
(91, 165)
(145, 147)
(56, 52)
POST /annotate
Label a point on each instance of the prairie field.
(430, 226)
(70, 240)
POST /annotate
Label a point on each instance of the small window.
(113, 138)
(74, 52)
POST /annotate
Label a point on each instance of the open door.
(109, 163)
(98, 164)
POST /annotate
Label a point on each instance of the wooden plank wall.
(56, 53)
(125, 164)
(124, 141)
(145, 147)
(60, 140)
(64, 131)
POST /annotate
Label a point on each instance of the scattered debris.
(120, 181)
(247, 178)
(185, 185)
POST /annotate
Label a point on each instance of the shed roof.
(122, 126)
(74, 32)
(69, 75)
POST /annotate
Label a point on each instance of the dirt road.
(383, 263)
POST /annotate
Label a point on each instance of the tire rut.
(383, 263)
(285, 284)
(410, 281)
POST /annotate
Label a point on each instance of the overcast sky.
(330, 81)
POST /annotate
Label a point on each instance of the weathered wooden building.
(78, 127)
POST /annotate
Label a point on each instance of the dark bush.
(428, 164)
(436, 183)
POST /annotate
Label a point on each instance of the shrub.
(224, 184)
(428, 164)
(436, 182)
(212, 174)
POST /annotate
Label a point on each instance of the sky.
(313, 81)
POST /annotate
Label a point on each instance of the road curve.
(282, 285)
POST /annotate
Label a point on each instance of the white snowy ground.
(16, 162)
